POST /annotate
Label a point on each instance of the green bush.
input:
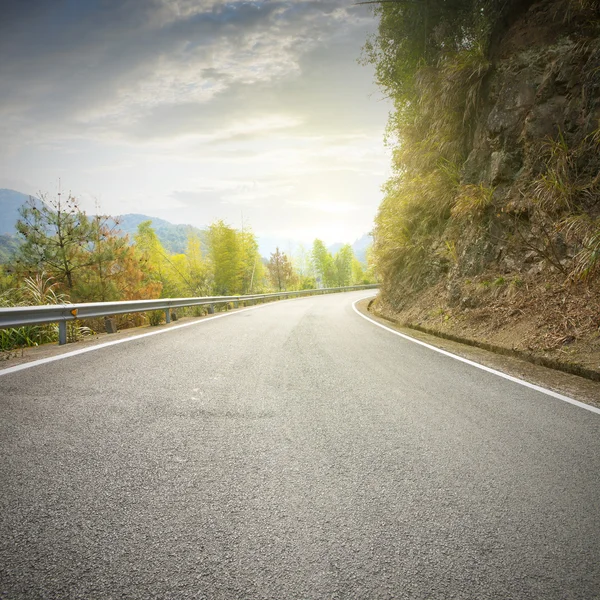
(155, 317)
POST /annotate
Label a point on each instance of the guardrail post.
(211, 309)
(110, 325)
(167, 315)
(62, 332)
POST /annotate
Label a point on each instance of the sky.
(256, 113)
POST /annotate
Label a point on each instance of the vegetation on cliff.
(494, 198)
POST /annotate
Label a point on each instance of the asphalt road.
(295, 451)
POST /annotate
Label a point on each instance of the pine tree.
(56, 235)
(99, 280)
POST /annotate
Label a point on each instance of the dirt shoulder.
(574, 386)
(540, 318)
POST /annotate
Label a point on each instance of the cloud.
(326, 206)
(135, 61)
(219, 107)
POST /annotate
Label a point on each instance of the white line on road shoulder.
(477, 365)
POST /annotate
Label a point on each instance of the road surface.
(293, 451)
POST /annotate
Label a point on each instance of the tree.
(223, 250)
(152, 253)
(343, 265)
(8, 285)
(431, 59)
(9, 245)
(413, 35)
(171, 270)
(304, 275)
(252, 270)
(323, 264)
(302, 262)
(86, 256)
(198, 272)
(358, 272)
(135, 278)
(99, 280)
(56, 235)
(280, 270)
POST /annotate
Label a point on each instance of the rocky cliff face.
(536, 141)
(525, 274)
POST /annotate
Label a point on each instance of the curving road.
(293, 451)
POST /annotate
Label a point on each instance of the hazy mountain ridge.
(173, 237)
(359, 247)
(10, 202)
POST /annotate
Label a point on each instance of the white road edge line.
(477, 365)
(42, 361)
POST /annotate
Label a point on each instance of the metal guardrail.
(18, 316)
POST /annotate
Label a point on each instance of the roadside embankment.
(573, 375)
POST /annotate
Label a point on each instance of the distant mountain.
(172, 237)
(359, 247)
(335, 248)
(10, 202)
